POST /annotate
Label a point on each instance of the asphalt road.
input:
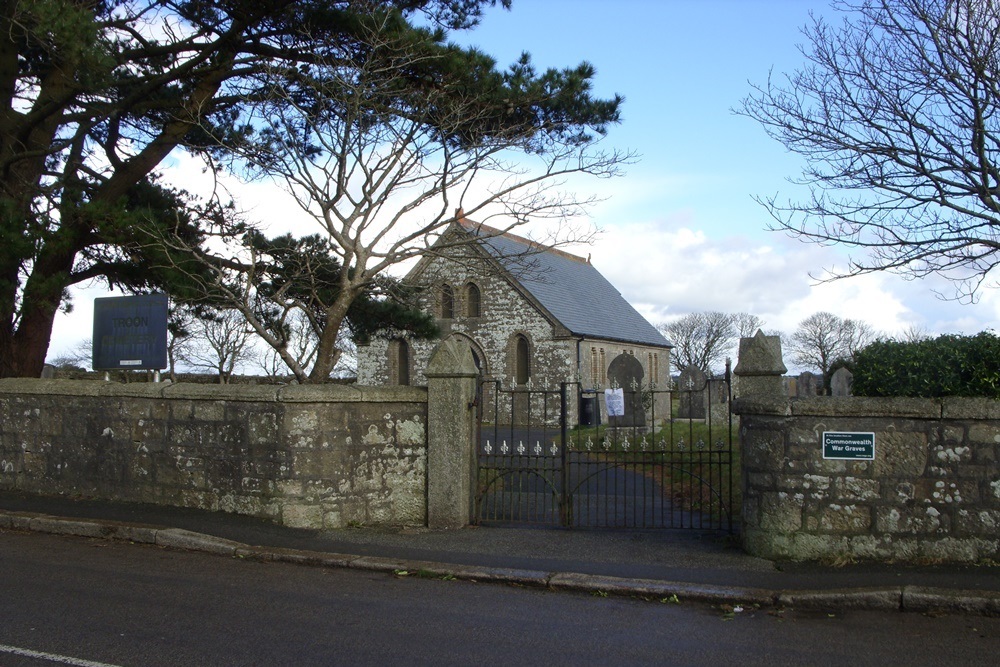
(76, 601)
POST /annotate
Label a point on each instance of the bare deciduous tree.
(823, 338)
(706, 339)
(181, 324)
(382, 168)
(219, 343)
(300, 342)
(914, 334)
(897, 113)
(747, 325)
(77, 357)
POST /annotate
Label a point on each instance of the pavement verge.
(906, 598)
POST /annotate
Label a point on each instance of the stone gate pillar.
(451, 428)
(759, 369)
(761, 398)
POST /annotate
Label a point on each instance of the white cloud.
(667, 267)
(261, 201)
(865, 298)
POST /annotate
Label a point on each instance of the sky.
(681, 232)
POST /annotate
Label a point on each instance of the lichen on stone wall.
(304, 463)
(411, 432)
(931, 491)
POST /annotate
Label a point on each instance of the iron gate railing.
(548, 457)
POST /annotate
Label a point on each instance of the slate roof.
(570, 289)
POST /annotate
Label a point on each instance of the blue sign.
(130, 332)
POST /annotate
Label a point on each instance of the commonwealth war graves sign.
(848, 446)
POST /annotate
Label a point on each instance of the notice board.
(130, 332)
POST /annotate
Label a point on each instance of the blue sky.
(681, 232)
(681, 65)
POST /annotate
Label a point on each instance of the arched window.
(447, 302)
(522, 360)
(399, 362)
(473, 303)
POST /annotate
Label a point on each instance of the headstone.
(840, 383)
(691, 387)
(717, 400)
(807, 385)
(789, 386)
(48, 372)
(626, 372)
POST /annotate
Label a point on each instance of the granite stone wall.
(306, 456)
(931, 493)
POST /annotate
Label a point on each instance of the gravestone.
(717, 400)
(840, 383)
(691, 386)
(808, 385)
(789, 386)
(626, 372)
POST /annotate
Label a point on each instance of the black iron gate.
(664, 459)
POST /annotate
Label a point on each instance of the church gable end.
(510, 319)
(486, 308)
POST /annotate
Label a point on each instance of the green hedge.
(948, 365)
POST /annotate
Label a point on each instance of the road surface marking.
(52, 657)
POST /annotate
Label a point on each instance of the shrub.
(949, 365)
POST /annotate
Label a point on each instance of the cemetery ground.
(685, 456)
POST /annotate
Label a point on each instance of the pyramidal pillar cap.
(760, 355)
(452, 358)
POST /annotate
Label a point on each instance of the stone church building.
(532, 314)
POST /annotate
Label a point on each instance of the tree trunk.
(327, 352)
(30, 342)
(42, 297)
